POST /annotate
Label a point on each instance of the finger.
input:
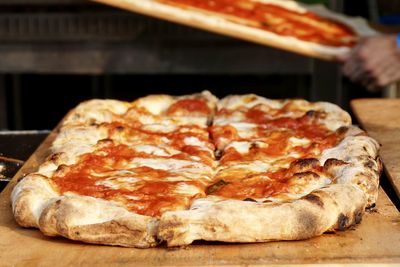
(352, 68)
(373, 70)
(343, 58)
(385, 73)
(389, 76)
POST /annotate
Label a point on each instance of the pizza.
(176, 169)
(307, 29)
(278, 19)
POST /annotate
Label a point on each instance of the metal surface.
(151, 56)
(15, 148)
(56, 26)
(20, 144)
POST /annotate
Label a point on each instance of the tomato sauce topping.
(274, 134)
(148, 195)
(176, 139)
(188, 107)
(305, 26)
(259, 185)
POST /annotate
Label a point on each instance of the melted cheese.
(155, 150)
(166, 164)
(157, 162)
(119, 183)
(241, 147)
(193, 141)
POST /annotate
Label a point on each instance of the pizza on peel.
(311, 30)
(178, 169)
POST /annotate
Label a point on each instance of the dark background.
(39, 100)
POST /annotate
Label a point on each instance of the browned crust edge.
(336, 207)
(87, 219)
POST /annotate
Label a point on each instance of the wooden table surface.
(375, 240)
(381, 119)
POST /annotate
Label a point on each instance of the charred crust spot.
(302, 175)
(311, 113)
(365, 148)
(342, 130)
(249, 199)
(120, 128)
(58, 202)
(358, 216)
(308, 223)
(329, 163)
(62, 167)
(315, 114)
(77, 233)
(369, 164)
(301, 165)
(314, 199)
(343, 221)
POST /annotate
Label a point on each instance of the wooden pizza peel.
(381, 119)
(375, 241)
(240, 29)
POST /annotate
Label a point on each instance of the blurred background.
(57, 53)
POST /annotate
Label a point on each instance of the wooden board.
(241, 28)
(381, 119)
(375, 240)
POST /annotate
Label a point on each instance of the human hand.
(374, 62)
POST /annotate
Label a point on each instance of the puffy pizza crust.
(35, 203)
(333, 208)
(356, 161)
(96, 111)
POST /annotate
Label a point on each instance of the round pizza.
(179, 169)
